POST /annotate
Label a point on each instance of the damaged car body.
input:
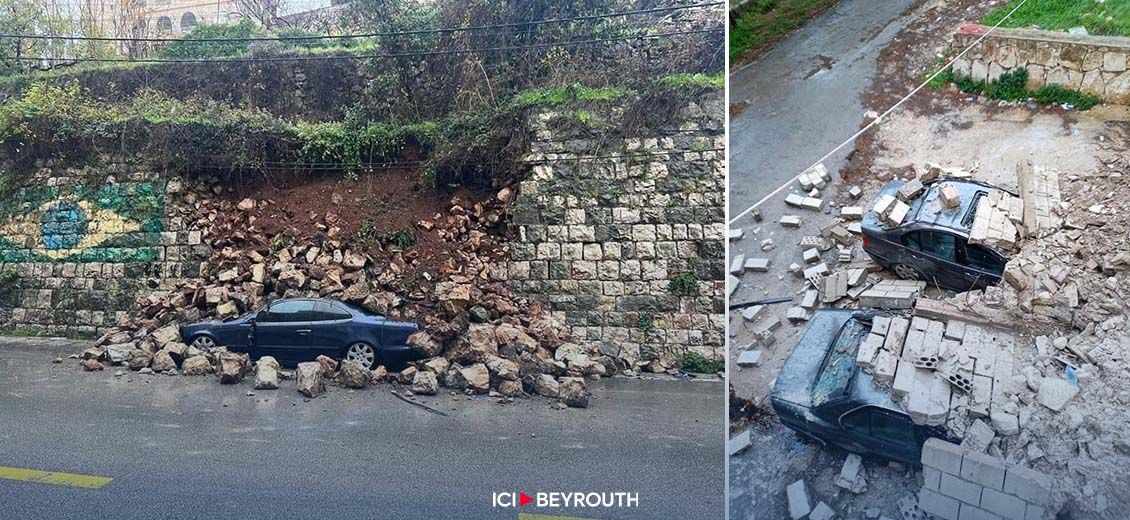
(297, 330)
(933, 243)
(822, 393)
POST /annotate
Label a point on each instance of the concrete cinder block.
(737, 265)
(886, 364)
(809, 300)
(969, 512)
(932, 478)
(752, 313)
(983, 469)
(942, 456)
(1003, 504)
(911, 190)
(735, 234)
(1028, 484)
(739, 443)
(811, 256)
(822, 512)
(799, 505)
(1035, 512)
(794, 200)
(851, 213)
(963, 490)
(880, 324)
(750, 358)
(939, 505)
(790, 221)
(759, 265)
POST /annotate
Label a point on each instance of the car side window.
(934, 243)
(857, 421)
(980, 258)
(325, 311)
(291, 312)
(891, 427)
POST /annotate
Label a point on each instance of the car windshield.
(839, 363)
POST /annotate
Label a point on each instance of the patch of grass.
(562, 95)
(1010, 86)
(24, 332)
(367, 234)
(8, 278)
(279, 242)
(1111, 18)
(645, 322)
(694, 80)
(684, 284)
(764, 22)
(697, 363)
(401, 238)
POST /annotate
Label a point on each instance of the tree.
(266, 12)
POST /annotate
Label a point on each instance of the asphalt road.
(180, 448)
(804, 95)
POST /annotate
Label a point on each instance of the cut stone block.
(816, 271)
(735, 234)
(942, 456)
(822, 512)
(885, 366)
(884, 205)
(939, 505)
(759, 265)
(737, 266)
(898, 214)
(1055, 392)
(835, 287)
(794, 200)
(855, 192)
(947, 193)
(911, 190)
(796, 314)
(809, 300)
(977, 437)
(1030, 485)
(812, 203)
(752, 313)
(799, 505)
(811, 256)
(983, 469)
(790, 221)
(851, 213)
(739, 443)
(750, 358)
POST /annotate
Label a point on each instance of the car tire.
(907, 272)
(361, 353)
(202, 342)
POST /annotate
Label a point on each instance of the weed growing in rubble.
(367, 234)
(401, 238)
(279, 242)
(1013, 86)
(698, 363)
(1057, 95)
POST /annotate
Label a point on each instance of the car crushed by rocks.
(475, 335)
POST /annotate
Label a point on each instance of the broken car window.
(836, 371)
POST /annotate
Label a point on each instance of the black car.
(297, 330)
(932, 244)
(822, 393)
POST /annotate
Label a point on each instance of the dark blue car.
(932, 244)
(823, 394)
(297, 330)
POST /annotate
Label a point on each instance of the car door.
(330, 328)
(283, 331)
(934, 254)
(982, 266)
(882, 432)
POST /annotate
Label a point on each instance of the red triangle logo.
(523, 499)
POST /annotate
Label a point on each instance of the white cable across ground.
(880, 118)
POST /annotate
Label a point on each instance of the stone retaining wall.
(602, 239)
(1098, 65)
(77, 248)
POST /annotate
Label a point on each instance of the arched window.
(164, 25)
(187, 22)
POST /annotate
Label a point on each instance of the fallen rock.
(163, 361)
(406, 376)
(266, 373)
(196, 365)
(353, 375)
(378, 375)
(1055, 393)
(424, 383)
(425, 344)
(138, 359)
(573, 393)
(510, 388)
(233, 367)
(477, 377)
(117, 353)
(329, 366)
(90, 365)
(546, 385)
(474, 346)
(310, 381)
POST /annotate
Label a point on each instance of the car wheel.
(203, 342)
(362, 354)
(906, 272)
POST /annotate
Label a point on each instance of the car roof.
(927, 209)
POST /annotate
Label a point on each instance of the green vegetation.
(1110, 18)
(645, 322)
(195, 49)
(400, 239)
(24, 332)
(694, 80)
(279, 242)
(699, 364)
(1013, 86)
(764, 22)
(562, 95)
(683, 284)
(8, 278)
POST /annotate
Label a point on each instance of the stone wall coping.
(1117, 42)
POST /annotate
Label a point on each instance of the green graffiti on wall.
(112, 223)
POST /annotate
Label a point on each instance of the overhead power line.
(574, 43)
(367, 35)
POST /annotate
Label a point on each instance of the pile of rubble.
(476, 336)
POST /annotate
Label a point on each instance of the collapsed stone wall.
(1098, 65)
(78, 246)
(603, 236)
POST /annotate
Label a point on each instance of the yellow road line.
(528, 516)
(53, 478)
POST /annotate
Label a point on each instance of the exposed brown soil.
(367, 211)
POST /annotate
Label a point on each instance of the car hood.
(794, 382)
